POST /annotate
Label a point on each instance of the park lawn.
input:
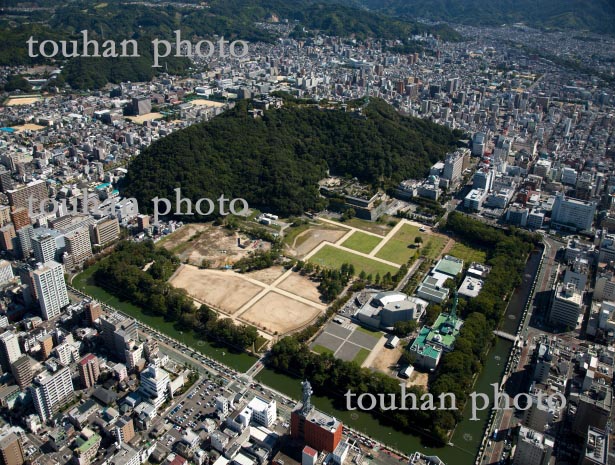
(239, 361)
(333, 258)
(401, 246)
(361, 356)
(397, 251)
(468, 254)
(292, 232)
(433, 247)
(362, 242)
(322, 349)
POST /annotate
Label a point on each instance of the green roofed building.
(432, 342)
(449, 265)
(86, 447)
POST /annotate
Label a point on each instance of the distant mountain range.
(593, 15)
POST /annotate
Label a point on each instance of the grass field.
(239, 361)
(401, 246)
(334, 258)
(468, 254)
(361, 356)
(291, 233)
(361, 242)
(433, 247)
(321, 349)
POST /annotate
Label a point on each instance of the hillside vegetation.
(275, 161)
(594, 15)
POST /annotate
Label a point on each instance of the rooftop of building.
(449, 265)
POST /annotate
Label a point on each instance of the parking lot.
(194, 411)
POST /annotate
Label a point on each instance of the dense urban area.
(427, 209)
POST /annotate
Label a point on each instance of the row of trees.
(259, 260)
(507, 255)
(333, 377)
(138, 273)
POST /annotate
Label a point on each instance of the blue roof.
(7, 129)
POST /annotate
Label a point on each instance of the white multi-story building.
(572, 213)
(542, 168)
(535, 219)
(67, 353)
(566, 306)
(607, 247)
(155, 385)
(222, 405)
(133, 353)
(263, 412)
(453, 166)
(605, 286)
(474, 200)
(9, 349)
(46, 244)
(483, 179)
(533, 448)
(6, 271)
(569, 176)
(51, 289)
(51, 391)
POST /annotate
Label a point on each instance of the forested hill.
(594, 15)
(275, 161)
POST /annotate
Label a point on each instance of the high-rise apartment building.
(29, 196)
(9, 349)
(78, 247)
(105, 232)
(566, 306)
(51, 391)
(124, 430)
(155, 385)
(11, 450)
(89, 370)
(93, 311)
(6, 271)
(22, 371)
(533, 448)
(51, 289)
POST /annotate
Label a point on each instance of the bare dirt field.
(21, 101)
(266, 276)
(418, 379)
(143, 118)
(194, 243)
(278, 313)
(301, 286)
(386, 359)
(306, 241)
(224, 290)
(28, 127)
(206, 103)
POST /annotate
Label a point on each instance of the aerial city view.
(307, 232)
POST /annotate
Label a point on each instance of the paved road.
(505, 419)
(168, 344)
